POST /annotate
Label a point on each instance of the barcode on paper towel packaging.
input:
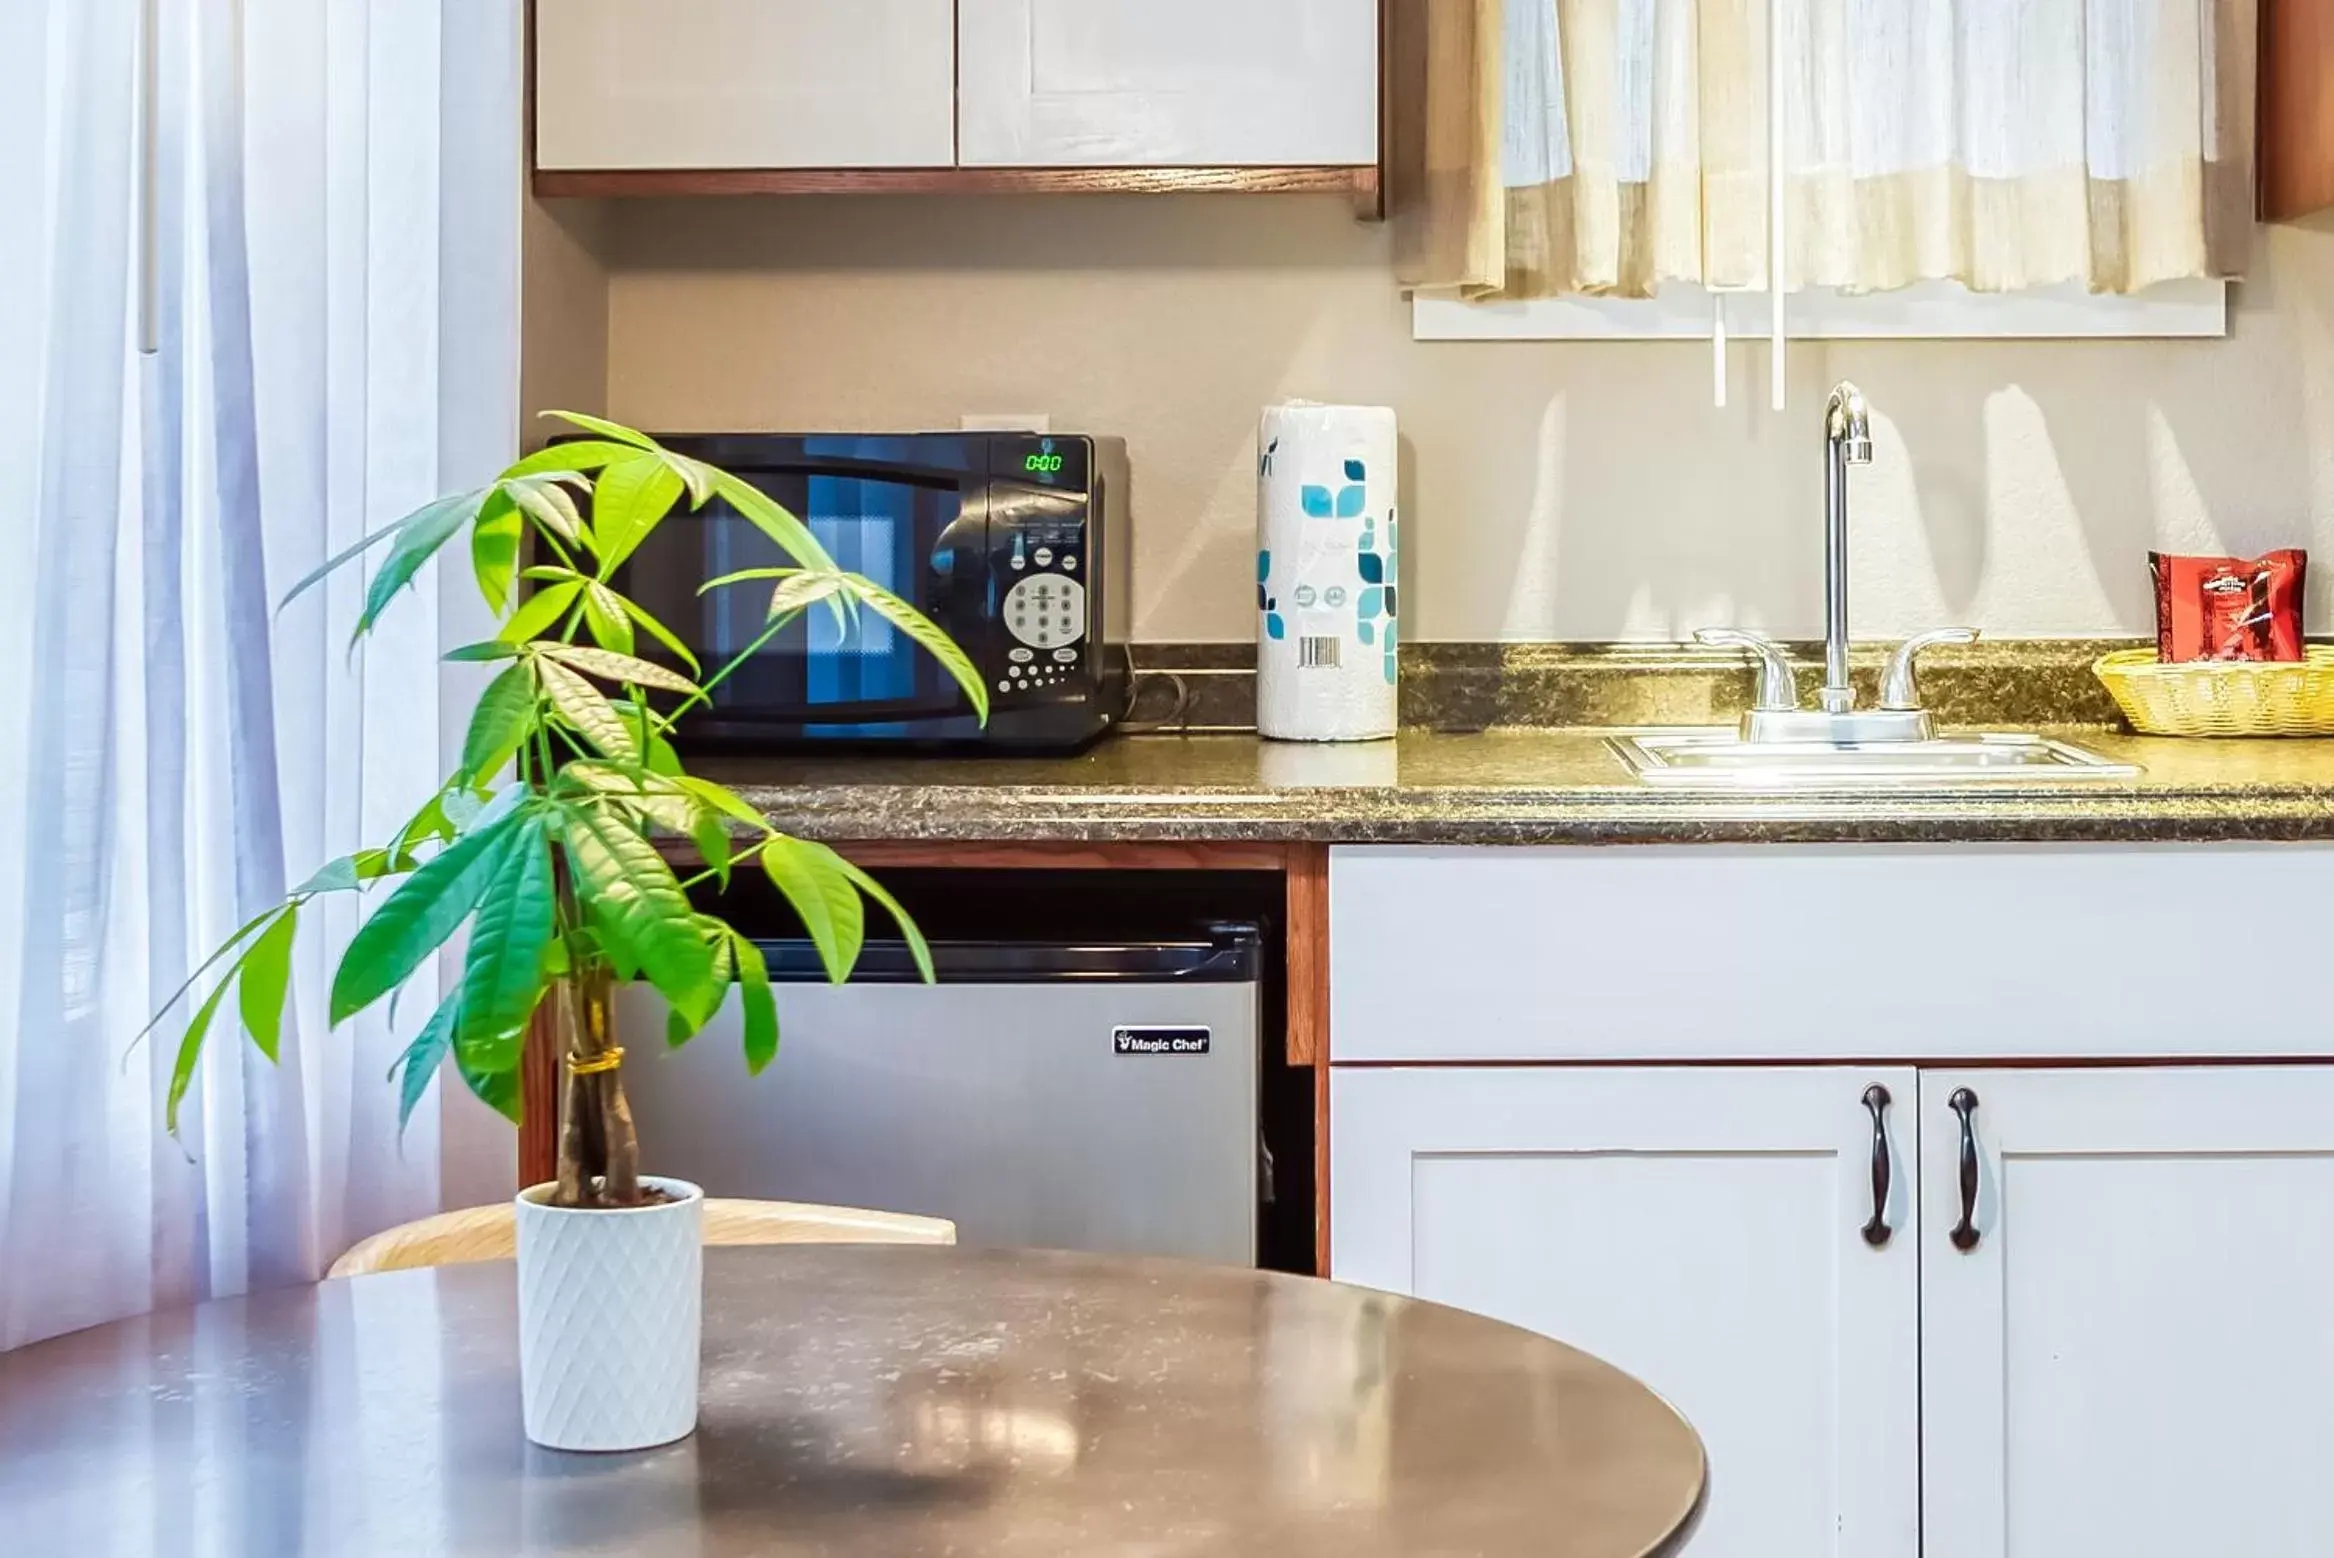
(1318, 653)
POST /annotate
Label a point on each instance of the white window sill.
(1931, 311)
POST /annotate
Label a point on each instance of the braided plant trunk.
(599, 1154)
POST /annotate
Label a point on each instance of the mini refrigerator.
(1090, 1097)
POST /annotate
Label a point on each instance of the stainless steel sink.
(1717, 758)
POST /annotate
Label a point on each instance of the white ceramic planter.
(610, 1311)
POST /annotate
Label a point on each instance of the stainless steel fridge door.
(1021, 1111)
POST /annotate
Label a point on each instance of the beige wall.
(1567, 491)
(563, 313)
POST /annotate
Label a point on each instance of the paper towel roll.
(1325, 572)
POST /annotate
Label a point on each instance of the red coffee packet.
(2229, 608)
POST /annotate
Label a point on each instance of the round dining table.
(856, 1400)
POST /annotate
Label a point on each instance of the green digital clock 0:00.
(1047, 463)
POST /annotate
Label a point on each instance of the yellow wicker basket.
(2223, 697)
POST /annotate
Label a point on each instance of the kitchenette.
(1771, 833)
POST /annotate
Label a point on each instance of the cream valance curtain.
(1548, 147)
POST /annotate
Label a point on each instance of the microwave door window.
(857, 668)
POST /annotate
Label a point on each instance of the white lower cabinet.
(1700, 1227)
(2135, 1356)
(2129, 1349)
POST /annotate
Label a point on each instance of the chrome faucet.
(1777, 716)
(1847, 440)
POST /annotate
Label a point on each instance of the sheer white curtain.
(236, 332)
(1607, 146)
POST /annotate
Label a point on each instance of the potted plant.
(543, 843)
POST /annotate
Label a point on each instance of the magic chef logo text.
(1159, 1041)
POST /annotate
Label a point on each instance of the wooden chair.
(491, 1233)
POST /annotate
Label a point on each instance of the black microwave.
(1016, 544)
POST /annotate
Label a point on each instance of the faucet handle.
(1778, 683)
(1899, 690)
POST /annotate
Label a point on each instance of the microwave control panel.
(1038, 543)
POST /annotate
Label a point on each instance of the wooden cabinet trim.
(1358, 182)
(2296, 108)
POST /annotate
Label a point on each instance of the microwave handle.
(959, 569)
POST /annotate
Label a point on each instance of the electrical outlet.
(1007, 422)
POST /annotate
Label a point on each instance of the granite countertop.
(1514, 786)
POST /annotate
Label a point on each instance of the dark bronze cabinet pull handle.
(1964, 1103)
(1876, 1232)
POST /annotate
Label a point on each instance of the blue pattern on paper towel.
(1377, 564)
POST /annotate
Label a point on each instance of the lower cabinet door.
(2128, 1342)
(1711, 1230)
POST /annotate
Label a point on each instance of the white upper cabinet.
(1168, 83)
(1702, 1228)
(2134, 1354)
(681, 84)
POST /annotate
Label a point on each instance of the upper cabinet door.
(744, 84)
(1168, 83)
(2130, 1350)
(1703, 1229)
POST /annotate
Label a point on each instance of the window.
(1574, 169)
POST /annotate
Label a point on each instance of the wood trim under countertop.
(1358, 181)
(1202, 855)
(1307, 936)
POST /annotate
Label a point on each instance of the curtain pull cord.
(1776, 281)
(149, 178)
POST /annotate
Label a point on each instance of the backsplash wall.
(1550, 490)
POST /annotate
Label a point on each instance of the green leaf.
(584, 454)
(502, 1091)
(807, 589)
(695, 475)
(812, 878)
(765, 514)
(660, 633)
(640, 911)
(745, 575)
(629, 499)
(492, 649)
(429, 528)
(610, 666)
(539, 613)
(462, 805)
(722, 798)
(265, 978)
(423, 1056)
(347, 874)
(242, 934)
(909, 933)
(416, 920)
(190, 1050)
(604, 615)
(501, 721)
(615, 431)
(431, 822)
(588, 710)
(494, 549)
(710, 834)
(757, 1003)
(654, 796)
(502, 969)
(662, 759)
(543, 497)
(315, 576)
(927, 634)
